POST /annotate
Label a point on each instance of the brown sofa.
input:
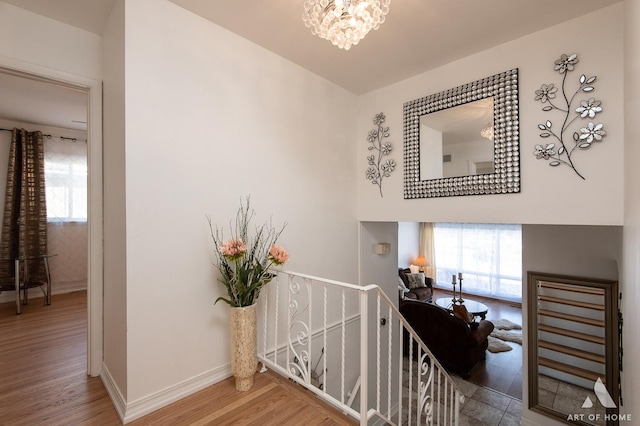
(455, 343)
(422, 294)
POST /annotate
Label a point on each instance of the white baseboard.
(113, 391)
(145, 405)
(56, 288)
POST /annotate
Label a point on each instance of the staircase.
(350, 346)
(572, 332)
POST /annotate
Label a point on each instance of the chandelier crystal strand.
(344, 22)
(487, 132)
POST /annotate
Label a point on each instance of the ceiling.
(31, 100)
(418, 35)
(89, 15)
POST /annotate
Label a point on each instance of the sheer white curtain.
(65, 163)
(488, 255)
(427, 248)
(66, 186)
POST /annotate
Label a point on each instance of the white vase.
(244, 345)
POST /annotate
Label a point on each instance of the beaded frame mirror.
(505, 179)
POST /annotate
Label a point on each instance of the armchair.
(457, 344)
(423, 293)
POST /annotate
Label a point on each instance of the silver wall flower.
(378, 168)
(583, 137)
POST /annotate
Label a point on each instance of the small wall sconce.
(383, 248)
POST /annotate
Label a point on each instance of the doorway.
(92, 90)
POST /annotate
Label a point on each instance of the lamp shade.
(421, 261)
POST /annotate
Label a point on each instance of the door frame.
(95, 276)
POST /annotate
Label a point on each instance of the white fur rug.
(497, 345)
(509, 336)
(500, 334)
(504, 324)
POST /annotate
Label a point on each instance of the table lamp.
(421, 262)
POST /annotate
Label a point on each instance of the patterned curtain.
(24, 224)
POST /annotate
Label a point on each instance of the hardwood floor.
(272, 401)
(43, 366)
(502, 371)
(44, 381)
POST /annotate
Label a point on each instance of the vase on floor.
(244, 345)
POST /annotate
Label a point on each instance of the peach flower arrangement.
(245, 261)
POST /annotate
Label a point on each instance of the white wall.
(115, 250)
(211, 118)
(68, 240)
(631, 235)
(383, 268)
(585, 251)
(549, 195)
(408, 243)
(47, 45)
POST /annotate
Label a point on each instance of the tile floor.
(483, 406)
(567, 398)
(502, 371)
(493, 393)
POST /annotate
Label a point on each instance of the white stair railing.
(328, 335)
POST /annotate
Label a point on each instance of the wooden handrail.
(572, 351)
(575, 371)
(572, 288)
(571, 333)
(576, 318)
(595, 306)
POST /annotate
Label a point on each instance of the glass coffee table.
(475, 308)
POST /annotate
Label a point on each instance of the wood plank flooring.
(272, 401)
(502, 371)
(43, 381)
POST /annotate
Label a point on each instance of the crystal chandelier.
(487, 132)
(344, 22)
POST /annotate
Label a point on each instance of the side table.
(22, 282)
(475, 308)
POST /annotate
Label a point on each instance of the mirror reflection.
(572, 359)
(457, 141)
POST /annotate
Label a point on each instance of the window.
(65, 168)
(489, 256)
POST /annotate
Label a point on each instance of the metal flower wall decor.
(379, 169)
(585, 136)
